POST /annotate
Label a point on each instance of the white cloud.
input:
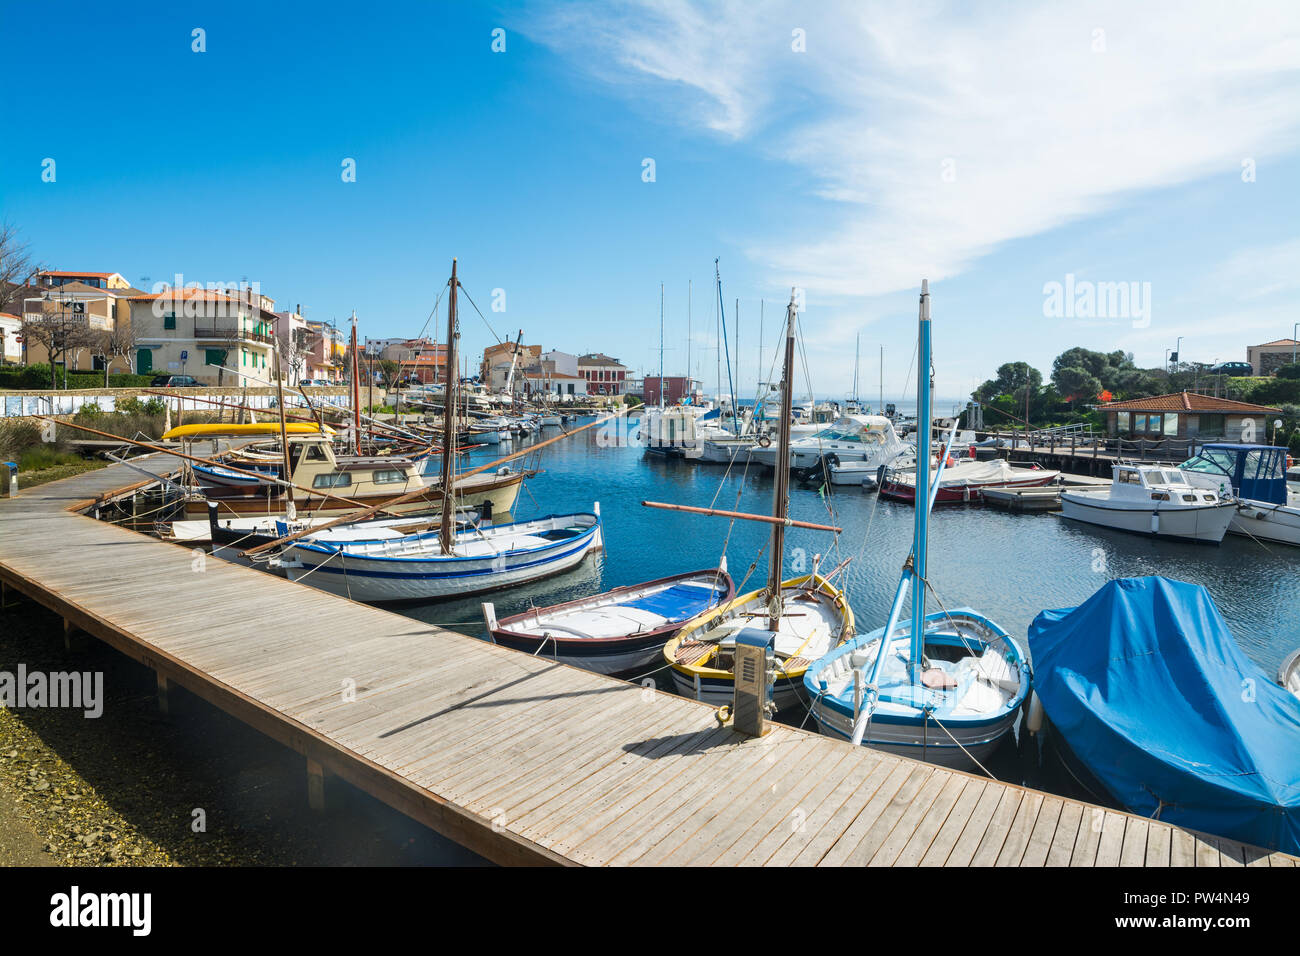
(1039, 128)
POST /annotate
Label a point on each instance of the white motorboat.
(1267, 509)
(867, 438)
(1153, 500)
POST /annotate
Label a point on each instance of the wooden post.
(164, 702)
(490, 619)
(315, 785)
(67, 634)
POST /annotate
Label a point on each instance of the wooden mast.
(356, 389)
(449, 422)
(290, 508)
(781, 482)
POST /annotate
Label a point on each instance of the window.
(1127, 476)
(169, 320)
(389, 476)
(1171, 426)
(334, 479)
(1211, 426)
(1139, 423)
(1122, 421)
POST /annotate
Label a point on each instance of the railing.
(1086, 445)
(229, 334)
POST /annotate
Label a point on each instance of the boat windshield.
(1212, 461)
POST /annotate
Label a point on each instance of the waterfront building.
(1184, 415)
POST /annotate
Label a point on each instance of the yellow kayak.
(270, 429)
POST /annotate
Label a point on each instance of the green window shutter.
(144, 361)
(214, 356)
(169, 320)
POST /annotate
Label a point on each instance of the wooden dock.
(520, 759)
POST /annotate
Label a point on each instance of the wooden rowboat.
(621, 631)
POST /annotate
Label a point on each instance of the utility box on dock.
(754, 679)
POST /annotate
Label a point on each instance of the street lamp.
(1178, 352)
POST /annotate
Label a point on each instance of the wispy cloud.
(932, 134)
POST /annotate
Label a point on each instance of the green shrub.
(133, 406)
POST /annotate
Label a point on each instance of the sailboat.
(355, 562)
(944, 687)
(803, 617)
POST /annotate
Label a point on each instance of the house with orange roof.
(1188, 415)
(1267, 358)
(73, 299)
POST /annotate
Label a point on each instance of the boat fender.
(1034, 719)
(764, 442)
(722, 714)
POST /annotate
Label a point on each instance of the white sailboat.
(944, 687)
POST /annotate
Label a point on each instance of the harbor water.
(1008, 566)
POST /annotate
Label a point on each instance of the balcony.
(228, 333)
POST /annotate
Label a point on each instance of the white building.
(11, 330)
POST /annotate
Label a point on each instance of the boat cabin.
(1157, 483)
(1252, 472)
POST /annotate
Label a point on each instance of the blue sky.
(848, 149)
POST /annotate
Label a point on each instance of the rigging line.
(480, 314)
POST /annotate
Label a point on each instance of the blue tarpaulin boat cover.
(1153, 695)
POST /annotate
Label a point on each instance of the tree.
(1012, 379)
(120, 340)
(16, 268)
(59, 331)
(1074, 383)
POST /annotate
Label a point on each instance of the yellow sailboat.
(800, 619)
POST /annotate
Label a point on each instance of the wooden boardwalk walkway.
(524, 760)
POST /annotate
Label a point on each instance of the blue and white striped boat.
(214, 476)
(413, 567)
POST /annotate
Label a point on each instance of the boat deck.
(521, 759)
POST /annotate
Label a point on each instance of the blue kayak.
(1156, 700)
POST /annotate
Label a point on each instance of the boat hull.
(637, 652)
(472, 492)
(960, 494)
(380, 579)
(1205, 525)
(1267, 522)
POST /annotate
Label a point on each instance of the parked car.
(316, 381)
(174, 381)
(1232, 369)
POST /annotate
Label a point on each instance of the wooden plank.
(1044, 832)
(1089, 837)
(1159, 841)
(904, 776)
(1182, 848)
(1112, 839)
(1133, 851)
(950, 832)
(913, 817)
(972, 833)
(1020, 831)
(835, 812)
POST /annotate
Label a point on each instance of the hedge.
(30, 377)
